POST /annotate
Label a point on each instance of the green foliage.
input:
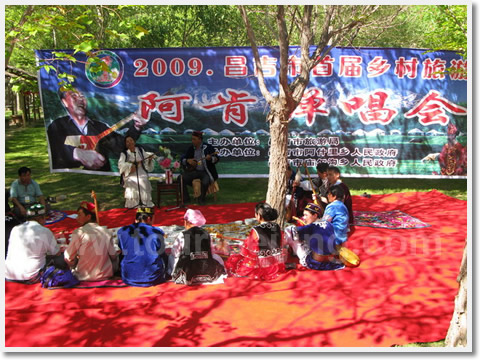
(445, 27)
(89, 27)
(440, 343)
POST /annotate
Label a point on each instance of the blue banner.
(369, 111)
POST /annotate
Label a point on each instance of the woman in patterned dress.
(263, 253)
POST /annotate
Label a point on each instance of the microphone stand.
(182, 205)
(140, 202)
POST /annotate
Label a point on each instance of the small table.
(173, 188)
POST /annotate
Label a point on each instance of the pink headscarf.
(195, 217)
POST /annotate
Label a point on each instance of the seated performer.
(311, 214)
(333, 175)
(191, 259)
(25, 192)
(295, 190)
(263, 253)
(322, 242)
(320, 185)
(199, 163)
(91, 250)
(337, 213)
(143, 249)
(30, 244)
(134, 164)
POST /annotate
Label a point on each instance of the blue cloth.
(337, 213)
(20, 191)
(320, 236)
(323, 265)
(143, 247)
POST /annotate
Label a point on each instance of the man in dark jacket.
(199, 163)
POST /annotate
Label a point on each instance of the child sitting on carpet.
(191, 259)
(337, 213)
(263, 253)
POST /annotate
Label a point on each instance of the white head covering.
(195, 217)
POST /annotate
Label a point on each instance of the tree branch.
(447, 10)
(20, 72)
(251, 37)
(284, 91)
(301, 82)
(28, 11)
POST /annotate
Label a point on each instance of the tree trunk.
(34, 105)
(21, 108)
(277, 180)
(457, 332)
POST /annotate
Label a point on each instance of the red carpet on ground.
(402, 292)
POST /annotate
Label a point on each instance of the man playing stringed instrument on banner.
(199, 163)
(76, 140)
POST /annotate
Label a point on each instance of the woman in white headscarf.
(191, 261)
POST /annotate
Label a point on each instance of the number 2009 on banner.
(176, 67)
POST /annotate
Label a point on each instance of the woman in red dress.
(263, 253)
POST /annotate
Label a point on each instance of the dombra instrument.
(153, 156)
(315, 198)
(90, 142)
(292, 208)
(300, 221)
(190, 167)
(94, 196)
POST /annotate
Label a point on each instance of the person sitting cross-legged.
(192, 259)
(322, 244)
(143, 250)
(91, 251)
(315, 242)
(30, 245)
(300, 247)
(263, 253)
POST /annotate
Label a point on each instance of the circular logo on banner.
(98, 73)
